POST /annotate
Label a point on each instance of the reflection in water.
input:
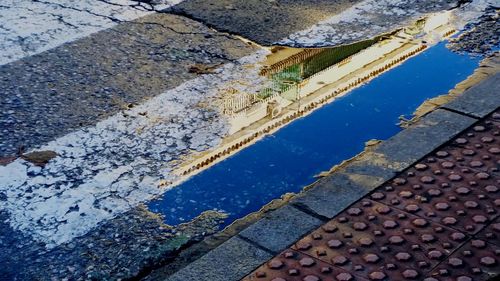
(288, 160)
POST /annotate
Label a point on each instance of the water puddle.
(288, 160)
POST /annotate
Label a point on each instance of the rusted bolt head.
(442, 153)
(494, 150)
(427, 179)
(302, 245)
(307, 262)
(321, 252)
(383, 209)
(476, 164)
(396, 239)
(334, 243)
(463, 190)
(471, 204)
(316, 236)
(447, 165)
(403, 256)
(455, 262)
(311, 278)
(377, 275)
(260, 274)
(464, 278)
(457, 236)
(389, 224)
(479, 219)
(434, 192)
(420, 167)
(377, 196)
(478, 243)
(491, 188)
(360, 226)
(479, 128)
(410, 274)
(427, 238)
(278, 279)
(371, 258)
(344, 276)
(358, 267)
(488, 261)
(365, 241)
(461, 141)
(354, 211)
(482, 176)
(406, 194)
(419, 222)
(435, 254)
(289, 255)
(275, 264)
(455, 177)
(412, 208)
(449, 220)
(399, 181)
(329, 228)
(390, 266)
(442, 206)
(293, 272)
(326, 269)
(339, 260)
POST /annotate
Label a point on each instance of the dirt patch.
(39, 158)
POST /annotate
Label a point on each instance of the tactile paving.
(437, 221)
(478, 148)
(461, 198)
(378, 242)
(476, 260)
(491, 233)
(291, 265)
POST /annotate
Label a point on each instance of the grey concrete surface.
(228, 262)
(479, 100)
(280, 228)
(424, 136)
(80, 83)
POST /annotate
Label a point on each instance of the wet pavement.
(108, 86)
(436, 220)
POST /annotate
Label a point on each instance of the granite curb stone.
(423, 137)
(280, 228)
(230, 261)
(479, 100)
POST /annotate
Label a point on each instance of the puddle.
(288, 160)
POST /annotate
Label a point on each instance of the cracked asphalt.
(108, 86)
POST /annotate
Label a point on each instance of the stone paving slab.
(340, 186)
(280, 228)
(80, 83)
(423, 137)
(479, 100)
(230, 261)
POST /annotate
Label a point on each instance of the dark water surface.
(288, 160)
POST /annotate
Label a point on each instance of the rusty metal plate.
(378, 242)
(495, 116)
(491, 233)
(475, 261)
(460, 198)
(478, 148)
(291, 265)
